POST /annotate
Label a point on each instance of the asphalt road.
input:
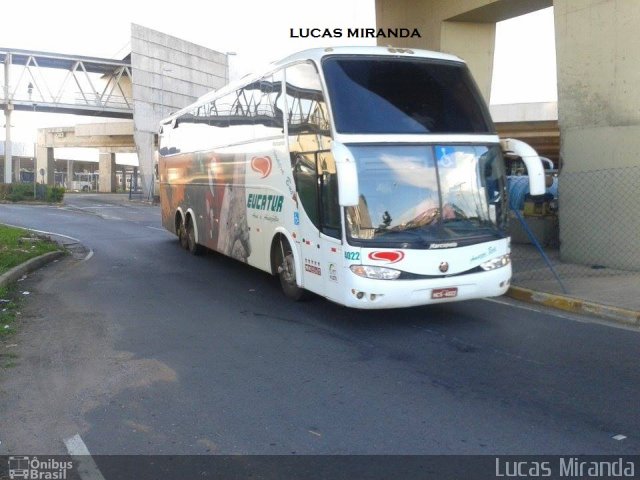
(140, 347)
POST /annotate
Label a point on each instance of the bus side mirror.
(348, 191)
(535, 169)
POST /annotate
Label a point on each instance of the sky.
(257, 31)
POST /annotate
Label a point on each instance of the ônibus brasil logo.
(389, 257)
(261, 165)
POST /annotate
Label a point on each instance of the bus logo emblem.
(444, 267)
(261, 165)
(389, 257)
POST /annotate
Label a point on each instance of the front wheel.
(286, 270)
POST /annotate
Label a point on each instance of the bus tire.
(192, 246)
(181, 232)
(286, 270)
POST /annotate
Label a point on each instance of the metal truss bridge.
(60, 83)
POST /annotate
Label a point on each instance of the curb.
(576, 305)
(29, 266)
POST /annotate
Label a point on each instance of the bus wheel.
(182, 234)
(286, 270)
(192, 246)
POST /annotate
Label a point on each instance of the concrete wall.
(599, 115)
(168, 74)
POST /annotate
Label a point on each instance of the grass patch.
(18, 246)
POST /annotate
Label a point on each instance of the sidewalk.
(604, 292)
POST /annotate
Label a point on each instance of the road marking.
(86, 467)
(619, 437)
(89, 255)
(576, 317)
(97, 206)
(155, 228)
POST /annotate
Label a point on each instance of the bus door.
(308, 219)
(309, 142)
(330, 225)
(320, 225)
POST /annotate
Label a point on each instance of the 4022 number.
(352, 256)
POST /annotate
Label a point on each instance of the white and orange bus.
(371, 176)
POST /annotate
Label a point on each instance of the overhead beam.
(500, 10)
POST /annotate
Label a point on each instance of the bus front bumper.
(374, 294)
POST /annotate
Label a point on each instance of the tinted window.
(398, 95)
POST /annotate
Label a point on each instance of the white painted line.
(575, 317)
(83, 463)
(619, 437)
(526, 307)
(155, 228)
(89, 255)
(99, 206)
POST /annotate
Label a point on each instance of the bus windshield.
(416, 195)
(372, 94)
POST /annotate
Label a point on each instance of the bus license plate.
(437, 293)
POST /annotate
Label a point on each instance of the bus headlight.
(497, 262)
(378, 273)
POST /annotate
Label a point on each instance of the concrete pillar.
(599, 117)
(123, 180)
(475, 44)
(16, 169)
(107, 165)
(45, 160)
(145, 147)
(69, 173)
(8, 162)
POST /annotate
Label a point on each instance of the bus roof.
(316, 54)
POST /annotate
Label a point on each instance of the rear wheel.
(286, 270)
(192, 246)
(182, 233)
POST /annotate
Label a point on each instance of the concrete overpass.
(109, 138)
(160, 75)
(598, 64)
